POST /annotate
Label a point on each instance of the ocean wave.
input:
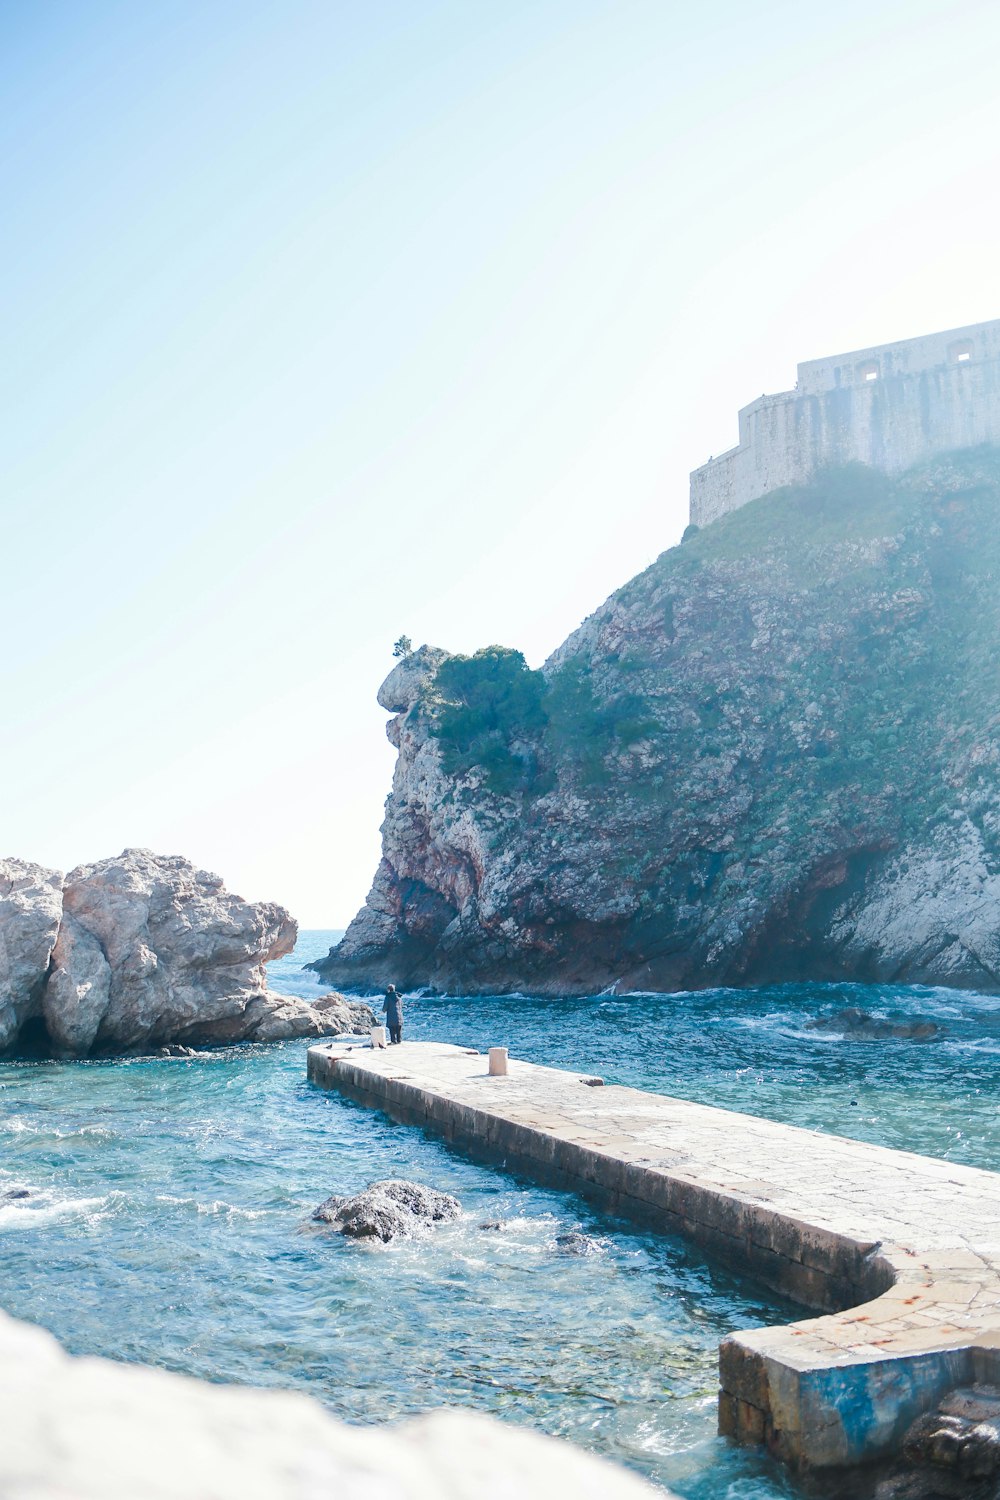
(775, 1020)
(216, 1206)
(43, 1131)
(44, 1207)
(812, 1035)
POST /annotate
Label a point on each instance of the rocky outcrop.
(30, 912)
(952, 1453)
(278, 1018)
(772, 756)
(143, 951)
(387, 1210)
(89, 1429)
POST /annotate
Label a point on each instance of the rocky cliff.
(773, 755)
(143, 950)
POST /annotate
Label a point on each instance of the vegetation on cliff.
(734, 770)
(487, 713)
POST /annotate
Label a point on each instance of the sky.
(330, 322)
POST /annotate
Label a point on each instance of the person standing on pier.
(393, 1007)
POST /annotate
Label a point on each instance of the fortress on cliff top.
(888, 407)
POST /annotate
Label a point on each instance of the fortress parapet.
(889, 407)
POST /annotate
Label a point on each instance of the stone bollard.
(378, 1036)
(498, 1062)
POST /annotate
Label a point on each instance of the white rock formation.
(144, 950)
(156, 950)
(88, 1429)
(30, 909)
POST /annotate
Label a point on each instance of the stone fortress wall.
(889, 407)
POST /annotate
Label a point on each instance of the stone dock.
(899, 1253)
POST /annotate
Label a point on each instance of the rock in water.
(145, 951)
(858, 1025)
(153, 950)
(952, 1453)
(277, 1018)
(387, 1209)
(342, 1015)
(575, 1243)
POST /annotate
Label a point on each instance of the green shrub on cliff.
(493, 713)
(488, 714)
(584, 729)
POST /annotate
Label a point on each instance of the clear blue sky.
(325, 322)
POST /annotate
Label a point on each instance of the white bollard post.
(378, 1036)
(498, 1062)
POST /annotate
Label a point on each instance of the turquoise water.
(168, 1220)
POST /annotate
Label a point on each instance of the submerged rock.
(860, 1026)
(387, 1209)
(575, 1243)
(15, 1195)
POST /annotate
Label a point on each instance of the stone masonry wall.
(890, 406)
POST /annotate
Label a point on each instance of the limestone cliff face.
(772, 755)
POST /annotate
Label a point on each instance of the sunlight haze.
(327, 323)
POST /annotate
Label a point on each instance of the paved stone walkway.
(830, 1222)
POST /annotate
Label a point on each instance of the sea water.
(168, 1218)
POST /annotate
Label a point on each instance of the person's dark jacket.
(393, 1007)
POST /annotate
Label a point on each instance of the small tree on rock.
(403, 647)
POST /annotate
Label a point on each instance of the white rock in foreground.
(89, 1429)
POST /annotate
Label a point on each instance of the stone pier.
(900, 1253)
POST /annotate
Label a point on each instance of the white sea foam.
(17, 1125)
(773, 1021)
(812, 1035)
(46, 1208)
(214, 1207)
